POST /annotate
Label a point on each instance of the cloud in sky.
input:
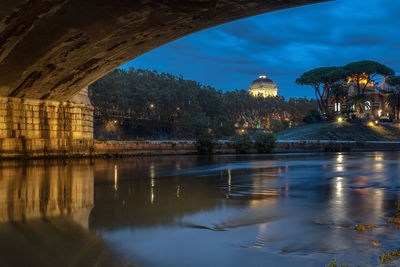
(283, 45)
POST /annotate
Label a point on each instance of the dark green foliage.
(205, 143)
(394, 81)
(279, 126)
(330, 116)
(264, 142)
(242, 143)
(368, 67)
(312, 116)
(298, 108)
(321, 79)
(163, 106)
(321, 75)
(338, 91)
(101, 139)
(393, 101)
(360, 102)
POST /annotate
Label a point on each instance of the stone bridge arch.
(51, 49)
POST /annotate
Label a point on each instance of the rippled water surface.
(253, 210)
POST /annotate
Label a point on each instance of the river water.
(251, 210)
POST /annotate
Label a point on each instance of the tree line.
(144, 103)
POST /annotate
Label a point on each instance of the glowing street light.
(340, 119)
(151, 105)
(373, 123)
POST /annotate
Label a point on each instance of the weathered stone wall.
(150, 148)
(146, 148)
(40, 128)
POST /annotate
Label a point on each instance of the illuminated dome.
(263, 87)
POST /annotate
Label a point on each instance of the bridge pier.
(46, 128)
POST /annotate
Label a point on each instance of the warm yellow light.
(380, 112)
(362, 79)
(115, 177)
(371, 123)
(376, 122)
(151, 105)
(340, 119)
(229, 180)
(115, 121)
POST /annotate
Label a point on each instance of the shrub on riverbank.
(312, 116)
(205, 143)
(242, 143)
(264, 142)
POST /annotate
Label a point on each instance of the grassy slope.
(342, 131)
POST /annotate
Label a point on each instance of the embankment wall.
(151, 148)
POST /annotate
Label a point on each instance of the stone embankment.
(90, 148)
(149, 148)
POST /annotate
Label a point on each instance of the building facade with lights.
(375, 106)
(263, 87)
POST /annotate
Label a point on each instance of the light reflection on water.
(248, 210)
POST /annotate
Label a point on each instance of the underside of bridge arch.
(50, 50)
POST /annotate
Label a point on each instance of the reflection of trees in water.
(143, 197)
(155, 194)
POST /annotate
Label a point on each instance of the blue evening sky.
(283, 45)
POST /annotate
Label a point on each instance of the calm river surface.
(253, 210)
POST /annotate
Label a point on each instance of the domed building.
(263, 87)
